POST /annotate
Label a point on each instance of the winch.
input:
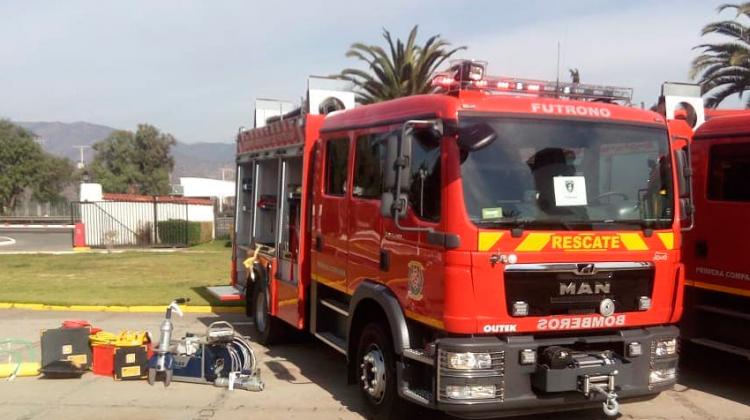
(590, 372)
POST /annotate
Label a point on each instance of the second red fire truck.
(716, 250)
(500, 247)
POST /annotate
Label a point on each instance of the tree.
(25, 167)
(723, 68)
(407, 69)
(52, 176)
(140, 162)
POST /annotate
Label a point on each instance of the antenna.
(557, 80)
(81, 148)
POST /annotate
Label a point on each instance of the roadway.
(35, 239)
(304, 380)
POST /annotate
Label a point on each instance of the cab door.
(366, 261)
(330, 239)
(416, 267)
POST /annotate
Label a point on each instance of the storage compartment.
(266, 203)
(290, 218)
(245, 202)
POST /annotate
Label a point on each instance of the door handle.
(701, 248)
(385, 260)
(318, 243)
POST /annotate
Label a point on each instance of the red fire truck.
(502, 246)
(715, 251)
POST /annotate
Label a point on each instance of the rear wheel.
(267, 328)
(376, 374)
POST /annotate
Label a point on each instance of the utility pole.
(81, 148)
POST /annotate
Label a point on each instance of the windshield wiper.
(518, 225)
(646, 225)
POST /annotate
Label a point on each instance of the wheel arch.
(374, 301)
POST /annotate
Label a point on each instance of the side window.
(369, 159)
(337, 156)
(728, 172)
(424, 189)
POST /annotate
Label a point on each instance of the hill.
(191, 159)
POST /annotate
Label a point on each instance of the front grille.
(562, 289)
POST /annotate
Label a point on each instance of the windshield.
(532, 173)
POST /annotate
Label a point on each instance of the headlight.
(469, 392)
(467, 361)
(662, 375)
(665, 348)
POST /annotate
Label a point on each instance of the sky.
(194, 68)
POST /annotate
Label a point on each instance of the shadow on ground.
(325, 367)
(716, 373)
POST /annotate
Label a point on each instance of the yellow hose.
(19, 369)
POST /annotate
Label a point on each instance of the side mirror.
(684, 189)
(390, 207)
(394, 202)
(396, 153)
(386, 204)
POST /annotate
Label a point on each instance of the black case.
(65, 352)
(131, 362)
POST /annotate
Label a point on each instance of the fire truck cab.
(502, 246)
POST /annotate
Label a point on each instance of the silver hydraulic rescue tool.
(163, 360)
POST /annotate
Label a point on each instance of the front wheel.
(376, 373)
(267, 328)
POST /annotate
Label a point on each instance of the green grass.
(128, 278)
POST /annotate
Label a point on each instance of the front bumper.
(534, 388)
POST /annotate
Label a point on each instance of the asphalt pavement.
(304, 380)
(35, 239)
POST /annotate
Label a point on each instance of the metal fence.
(224, 227)
(120, 224)
(32, 209)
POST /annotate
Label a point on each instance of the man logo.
(585, 269)
(584, 288)
(569, 185)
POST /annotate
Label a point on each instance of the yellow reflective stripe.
(534, 242)
(340, 286)
(488, 239)
(718, 288)
(633, 242)
(436, 323)
(667, 238)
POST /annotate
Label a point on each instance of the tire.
(375, 350)
(268, 329)
(151, 376)
(167, 377)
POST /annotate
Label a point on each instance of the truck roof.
(448, 107)
(732, 124)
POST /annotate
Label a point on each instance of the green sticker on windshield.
(492, 213)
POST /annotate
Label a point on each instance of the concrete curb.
(204, 309)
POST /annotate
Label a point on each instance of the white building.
(207, 188)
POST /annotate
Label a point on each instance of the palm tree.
(406, 70)
(723, 68)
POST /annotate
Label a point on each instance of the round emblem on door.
(607, 307)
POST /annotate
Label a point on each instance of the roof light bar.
(467, 74)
